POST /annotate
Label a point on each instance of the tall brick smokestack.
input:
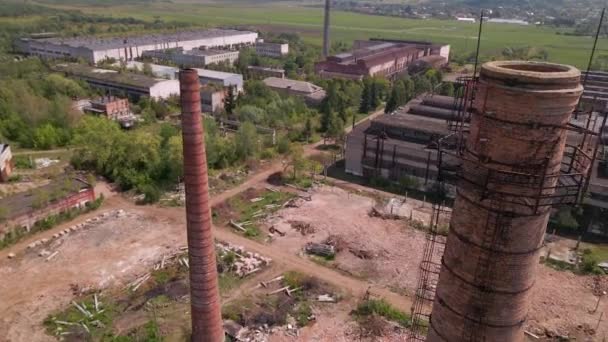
(510, 168)
(326, 28)
(204, 291)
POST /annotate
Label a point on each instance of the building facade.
(205, 76)
(192, 58)
(213, 99)
(258, 72)
(386, 58)
(276, 50)
(110, 106)
(6, 162)
(400, 144)
(127, 84)
(96, 49)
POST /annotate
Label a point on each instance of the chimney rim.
(527, 72)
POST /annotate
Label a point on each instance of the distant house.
(6, 162)
(22, 210)
(311, 93)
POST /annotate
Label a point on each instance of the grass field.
(349, 26)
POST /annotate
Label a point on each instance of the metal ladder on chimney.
(484, 271)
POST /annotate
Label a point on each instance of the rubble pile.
(246, 262)
(303, 227)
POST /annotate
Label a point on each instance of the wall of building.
(6, 164)
(27, 221)
(272, 49)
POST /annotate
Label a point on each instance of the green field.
(349, 26)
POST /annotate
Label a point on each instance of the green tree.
(366, 97)
(147, 69)
(246, 141)
(46, 137)
(230, 101)
(447, 89)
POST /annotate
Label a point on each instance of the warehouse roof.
(124, 78)
(419, 123)
(97, 43)
(285, 83)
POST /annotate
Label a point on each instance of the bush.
(589, 263)
(382, 308)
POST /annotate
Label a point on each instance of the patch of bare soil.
(385, 252)
(104, 255)
(563, 305)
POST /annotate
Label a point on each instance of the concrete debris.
(325, 298)
(41, 163)
(246, 262)
(266, 283)
(237, 226)
(50, 257)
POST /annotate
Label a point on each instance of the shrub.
(382, 308)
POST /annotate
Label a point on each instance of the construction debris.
(50, 257)
(302, 227)
(246, 262)
(320, 249)
(361, 253)
(273, 230)
(325, 298)
(237, 226)
(11, 255)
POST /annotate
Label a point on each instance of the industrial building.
(24, 209)
(121, 83)
(263, 72)
(109, 106)
(401, 144)
(596, 88)
(192, 58)
(276, 50)
(213, 99)
(312, 94)
(97, 49)
(6, 162)
(206, 76)
(386, 58)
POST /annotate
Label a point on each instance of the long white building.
(95, 49)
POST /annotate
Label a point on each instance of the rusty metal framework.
(428, 277)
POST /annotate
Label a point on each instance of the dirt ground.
(102, 256)
(393, 249)
(561, 300)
